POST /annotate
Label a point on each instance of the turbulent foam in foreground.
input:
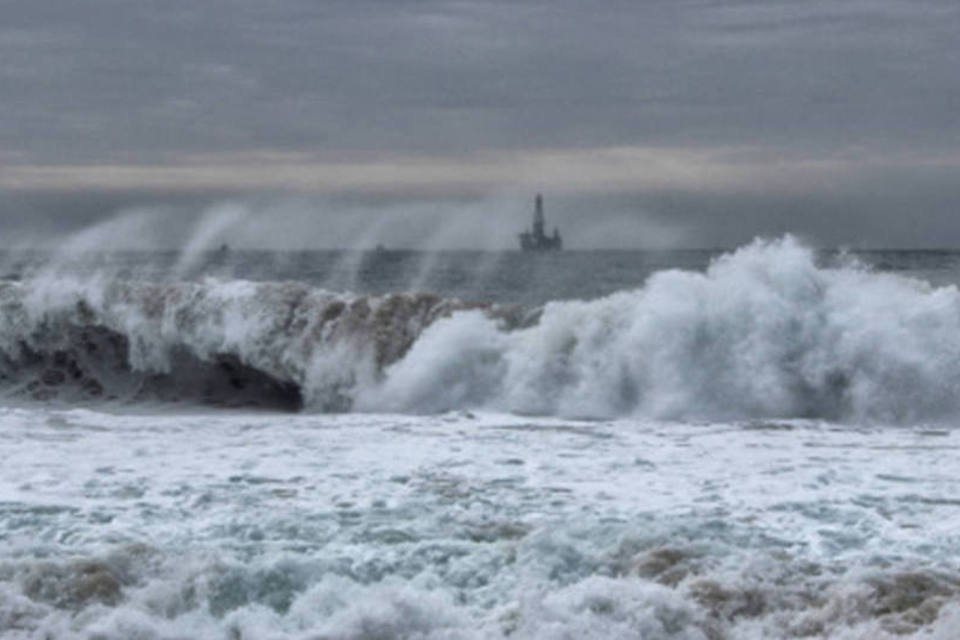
(764, 332)
(457, 527)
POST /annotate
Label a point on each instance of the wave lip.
(224, 343)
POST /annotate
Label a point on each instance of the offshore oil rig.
(535, 239)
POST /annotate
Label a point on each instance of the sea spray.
(763, 332)
(119, 337)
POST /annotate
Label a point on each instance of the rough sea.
(754, 444)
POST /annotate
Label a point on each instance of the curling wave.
(238, 343)
(764, 332)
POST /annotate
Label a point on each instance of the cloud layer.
(760, 102)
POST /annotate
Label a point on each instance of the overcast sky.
(645, 122)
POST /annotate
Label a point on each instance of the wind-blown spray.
(764, 332)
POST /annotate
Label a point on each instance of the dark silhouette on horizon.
(536, 239)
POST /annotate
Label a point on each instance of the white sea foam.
(233, 525)
(117, 522)
(764, 332)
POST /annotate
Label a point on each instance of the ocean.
(698, 445)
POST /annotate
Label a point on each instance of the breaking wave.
(236, 343)
(764, 332)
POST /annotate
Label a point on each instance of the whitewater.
(752, 444)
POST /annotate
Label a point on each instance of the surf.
(765, 331)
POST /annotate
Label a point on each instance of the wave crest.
(238, 343)
(765, 332)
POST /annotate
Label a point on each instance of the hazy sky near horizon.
(646, 122)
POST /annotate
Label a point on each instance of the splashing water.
(735, 482)
(764, 332)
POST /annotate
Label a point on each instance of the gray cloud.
(770, 89)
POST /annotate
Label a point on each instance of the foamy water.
(770, 453)
(764, 332)
(462, 526)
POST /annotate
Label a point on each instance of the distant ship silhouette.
(535, 239)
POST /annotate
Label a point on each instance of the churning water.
(758, 444)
